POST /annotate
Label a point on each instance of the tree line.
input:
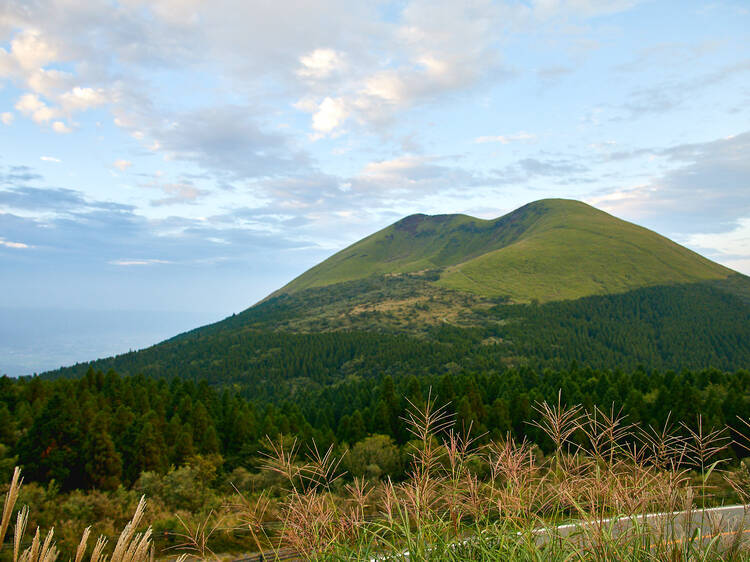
(104, 430)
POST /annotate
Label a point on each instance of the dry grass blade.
(253, 515)
(31, 554)
(128, 541)
(423, 423)
(21, 520)
(606, 432)
(10, 502)
(49, 552)
(81, 550)
(322, 469)
(281, 459)
(667, 450)
(97, 553)
(558, 422)
(705, 446)
(196, 541)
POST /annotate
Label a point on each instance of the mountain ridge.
(560, 281)
(557, 238)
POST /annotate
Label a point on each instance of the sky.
(189, 157)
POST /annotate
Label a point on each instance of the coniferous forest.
(104, 430)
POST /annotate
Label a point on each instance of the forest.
(104, 430)
(694, 326)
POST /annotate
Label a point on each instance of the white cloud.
(736, 242)
(122, 165)
(60, 127)
(387, 86)
(393, 168)
(6, 118)
(320, 63)
(48, 82)
(329, 115)
(31, 51)
(507, 139)
(729, 248)
(31, 106)
(178, 193)
(705, 189)
(81, 99)
(50, 159)
(15, 245)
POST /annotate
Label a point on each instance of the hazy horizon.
(34, 340)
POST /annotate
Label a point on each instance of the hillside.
(553, 282)
(553, 249)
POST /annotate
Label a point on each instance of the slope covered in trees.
(691, 326)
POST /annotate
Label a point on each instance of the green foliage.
(149, 425)
(691, 326)
(373, 457)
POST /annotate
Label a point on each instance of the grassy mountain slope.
(553, 249)
(430, 292)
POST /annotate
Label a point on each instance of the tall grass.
(504, 500)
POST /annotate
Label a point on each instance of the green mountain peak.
(552, 249)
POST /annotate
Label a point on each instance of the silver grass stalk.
(81, 550)
(10, 503)
(21, 520)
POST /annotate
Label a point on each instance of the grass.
(551, 249)
(576, 251)
(504, 501)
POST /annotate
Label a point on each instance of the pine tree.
(103, 463)
(150, 450)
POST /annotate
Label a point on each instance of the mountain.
(552, 282)
(554, 249)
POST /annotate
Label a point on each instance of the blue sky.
(192, 156)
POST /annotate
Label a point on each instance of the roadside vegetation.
(461, 497)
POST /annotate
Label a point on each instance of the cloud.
(60, 127)
(31, 51)
(329, 115)
(82, 99)
(414, 176)
(178, 193)
(229, 142)
(6, 118)
(506, 139)
(14, 245)
(704, 192)
(536, 167)
(129, 262)
(122, 165)
(57, 200)
(31, 106)
(671, 94)
(734, 243)
(16, 175)
(320, 63)
(50, 159)
(422, 62)
(545, 9)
